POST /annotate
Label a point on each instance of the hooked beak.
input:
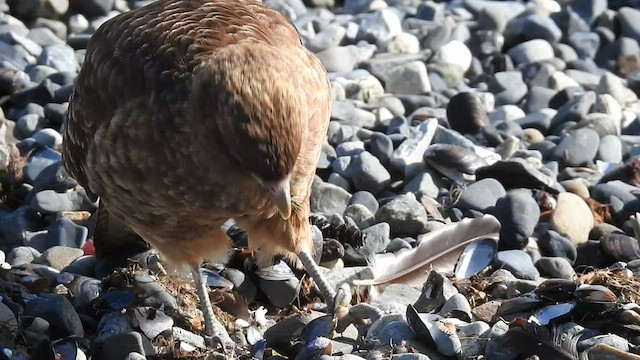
(280, 195)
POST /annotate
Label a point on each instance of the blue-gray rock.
(375, 241)
(586, 44)
(396, 332)
(629, 19)
(52, 202)
(16, 225)
(28, 124)
(481, 195)
(473, 338)
(21, 255)
(93, 8)
(121, 346)
(58, 311)
(589, 10)
(381, 146)
(367, 173)
(531, 51)
(555, 267)
(328, 199)
(518, 263)
(422, 185)
(508, 87)
(280, 292)
(614, 340)
(365, 198)
(574, 109)
(530, 27)
(340, 181)
(38, 162)
(65, 232)
(349, 148)
(553, 244)
(60, 57)
(610, 149)
(399, 125)
(518, 212)
(404, 214)
(578, 148)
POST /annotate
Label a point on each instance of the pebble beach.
(477, 195)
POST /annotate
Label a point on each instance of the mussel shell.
(86, 289)
(318, 327)
(620, 246)
(556, 290)
(454, 157)
(279, 271)
(113, 323)
(217, 281)
(545, 315)
(517, 306)
(466, 113)
(475, 258)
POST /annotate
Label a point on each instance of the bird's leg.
(214, 330)
(323, 285)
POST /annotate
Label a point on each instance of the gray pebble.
(555, 267)
(367, 173)
(518, 213)
(21, 255)
(578, 148)
(404, 214)
(518, 262)
(60, 57)
(328, 199)
(609, 339)
(51, 202)
(482, 194)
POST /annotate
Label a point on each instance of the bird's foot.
(323, 285)
(215, 332)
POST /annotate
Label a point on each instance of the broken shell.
(513, 308)
(556, 290)
(217, 281)
(85, 289)
(279, 271)
(313, 350)
(113, 323)
(318, 327)
(476, 257)
(437, 330)
(545, 315)
(151, 321)
(453, 157)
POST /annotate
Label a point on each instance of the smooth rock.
(572, 218)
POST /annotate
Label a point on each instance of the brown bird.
(187, 113)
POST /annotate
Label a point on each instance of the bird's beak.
(281, 196)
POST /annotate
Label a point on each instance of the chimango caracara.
(187, 113)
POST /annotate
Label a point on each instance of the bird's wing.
(153, 49)
(317, 87)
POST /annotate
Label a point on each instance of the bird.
(188, 113)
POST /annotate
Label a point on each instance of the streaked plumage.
(166, 111)
(181, 106)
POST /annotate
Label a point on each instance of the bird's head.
(253, 100)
